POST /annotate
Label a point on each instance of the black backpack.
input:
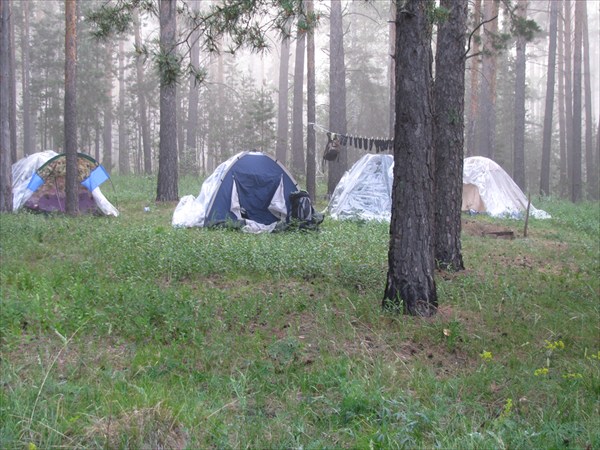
(302, 214)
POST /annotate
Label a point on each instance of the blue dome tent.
(251, 189)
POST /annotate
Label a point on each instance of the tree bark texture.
(167, 185)
(12, 80)
(411, 265)
(71, 181)
(562, 129)
(548, 112)
(298, 168)
(108, 113)
(486, 123)
(568, 53)
(311, 169)
(142, 109)
(576, 176)
(519, 103)
(28, 147)
(281, 146)
(448, 97)
(392, 67)
(123, 138)
(591, 169)
(337, 94)
(474, 82)
(6, 203)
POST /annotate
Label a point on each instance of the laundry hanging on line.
(372, 144)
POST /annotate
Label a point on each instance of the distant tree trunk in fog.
(142, 109)
(410, 280)
(576, 178)
(6, 203)
(12, 80)
(123, 138)
(298, 107)
(108, 114)
(562, 131)
(486, 125)
(167, 185)
(474, 78)
(567, 46)
(311, 169)
(448, 134)
(71, 182)
(191, 152)
(282, 109)
(547, 132)
(591, 170)
(519, 103)
(392, 67)
(337, 93)
(28, 147)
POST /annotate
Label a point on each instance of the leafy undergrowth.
(128, 333)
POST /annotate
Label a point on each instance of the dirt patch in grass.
(478, 228)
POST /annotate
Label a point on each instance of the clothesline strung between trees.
(375, 144)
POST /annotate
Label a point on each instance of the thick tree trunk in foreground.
(448, 96)
(167, 185)
(411, 265)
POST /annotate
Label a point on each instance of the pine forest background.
(238, 96)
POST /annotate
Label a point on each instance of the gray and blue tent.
(251, 189)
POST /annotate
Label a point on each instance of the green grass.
(127, 333)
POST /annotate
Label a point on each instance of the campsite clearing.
(127, 332)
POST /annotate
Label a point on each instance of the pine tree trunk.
(167, 184)
(568, 48)
(486, 126)
(311, 169)
(562, 127)
(547, 132)
(191, 142)
(576, 178)
(142, 109)
(298, 108)
(108, 114)
(71, 182)
(13, 91)
(28, 147)
(392, 67)
(6, 201)
(281, 147)
(410, 283)
(448, 134)
(474, 83)
(123, 138)
(337, 93)
(591, 171)
(519, 105)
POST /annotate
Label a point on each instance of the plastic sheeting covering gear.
(365, 191)
(495, 190)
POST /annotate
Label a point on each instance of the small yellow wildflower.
(507, 408)
(572, 375)
(542, 371)
(556, 345)
(486, 356)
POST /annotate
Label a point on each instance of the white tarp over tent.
(487, 188)
(365, 191)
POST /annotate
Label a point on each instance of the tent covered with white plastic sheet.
(487, 188)
(38, 184)
(365, 191)
(250, 190)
